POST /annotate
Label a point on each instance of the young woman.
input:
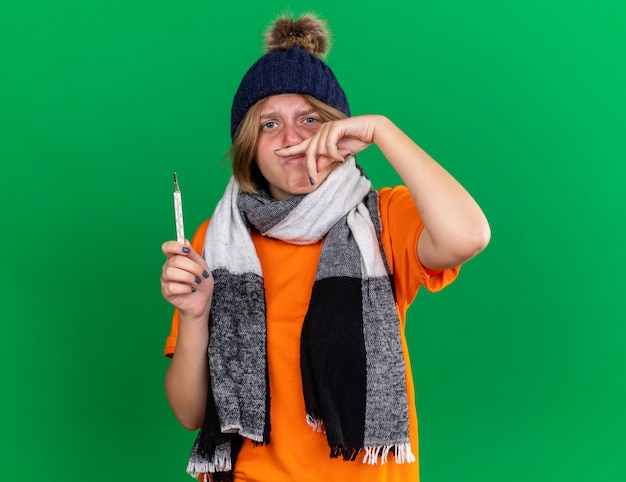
(298, 286)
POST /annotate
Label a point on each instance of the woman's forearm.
(187, 376)
(455, 228)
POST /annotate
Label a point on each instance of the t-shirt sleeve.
(197, 244)
(402, 226)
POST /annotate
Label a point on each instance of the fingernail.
(312, 181)
(205, 274)
(198, 280)
(186, 250)
(193, 290)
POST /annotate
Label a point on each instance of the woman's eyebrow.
(269, 115)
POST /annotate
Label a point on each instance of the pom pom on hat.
(308, 31)
(291, 65)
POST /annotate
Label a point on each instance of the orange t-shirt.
(295, 451)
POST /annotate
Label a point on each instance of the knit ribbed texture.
(293, 71)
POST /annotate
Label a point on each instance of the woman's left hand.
(455, 228)
(333, 142)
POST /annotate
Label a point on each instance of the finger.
(175, 282)
(328, 141)
(177, 274)
(348, 146)
(182, 267)
(172, 248)
(171, 289)
(193, 255)
(324, 152)
(310, 158)
(294, 150)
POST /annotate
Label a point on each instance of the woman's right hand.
(187, 283)
(186, 280)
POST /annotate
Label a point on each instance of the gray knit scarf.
(352, 366)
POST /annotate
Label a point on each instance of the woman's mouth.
(297, 160)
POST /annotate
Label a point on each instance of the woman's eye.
(310, 120)
(269, 125)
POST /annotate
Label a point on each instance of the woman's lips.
(294, 159)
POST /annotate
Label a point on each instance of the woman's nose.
(292, 135)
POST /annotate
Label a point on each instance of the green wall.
(520, 365)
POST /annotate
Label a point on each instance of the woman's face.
(286, 120)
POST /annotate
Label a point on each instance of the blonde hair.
(243, 150)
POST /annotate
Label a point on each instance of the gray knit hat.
(291, 65)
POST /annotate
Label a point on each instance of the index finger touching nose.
(292, 150)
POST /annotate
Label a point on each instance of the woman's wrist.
(191, 320)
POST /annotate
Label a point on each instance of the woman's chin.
(302, 185)
(297, 185)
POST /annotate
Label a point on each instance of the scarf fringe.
(403, 454)
(220, 464)
(349, 454)
(316, 424)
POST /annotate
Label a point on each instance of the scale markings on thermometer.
(178, 213)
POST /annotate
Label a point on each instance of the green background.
(520, 365)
